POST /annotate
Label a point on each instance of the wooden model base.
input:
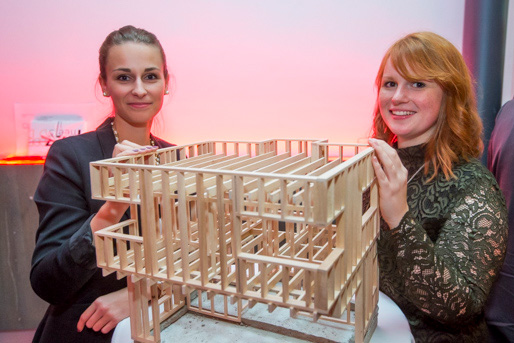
(289, 223)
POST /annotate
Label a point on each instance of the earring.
(105, 94)
(167, 92)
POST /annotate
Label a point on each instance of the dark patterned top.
(439, 263)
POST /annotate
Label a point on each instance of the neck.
(136, 134)
(408, 144)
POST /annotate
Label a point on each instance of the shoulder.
(506, 111)
(74, 144)
(504, 124)
(81, 149)
(87, 137)
(500, 155)
(472, 174)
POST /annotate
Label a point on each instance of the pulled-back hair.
(458, 129)
(128, 34)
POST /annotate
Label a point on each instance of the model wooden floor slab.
(287, 223)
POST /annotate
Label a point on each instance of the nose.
(399, 96)
(139, 89)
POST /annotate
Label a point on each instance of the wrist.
(109, 214)
(395, 222)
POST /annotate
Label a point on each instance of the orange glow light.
(22, 160)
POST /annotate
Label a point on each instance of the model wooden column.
(281, 222)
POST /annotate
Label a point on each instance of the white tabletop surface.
(392, 327)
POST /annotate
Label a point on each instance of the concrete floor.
(23, 336)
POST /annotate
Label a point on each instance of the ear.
(102, 84)
(166, 85)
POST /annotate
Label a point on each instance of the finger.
(389, 159)
(109, 326)
(119, 148)
(381, 153)
(136, 151)
(391, 153)
(379, 172)
(84, 317)
(395, 170)
(384, 150)
(130, 152)
(95, 317)
(101, 323)
(129, 143)
(123, 146)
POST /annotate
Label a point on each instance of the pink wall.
(252, 69)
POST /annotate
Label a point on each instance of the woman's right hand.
(111, 212)
(127, 148)
(392, 182)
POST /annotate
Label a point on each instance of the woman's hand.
(392, 182)
(105, 312)
(127, 148)
(111, 212)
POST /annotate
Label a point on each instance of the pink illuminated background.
(243, 69)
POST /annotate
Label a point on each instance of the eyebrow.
(127, 70)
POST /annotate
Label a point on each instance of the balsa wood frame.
(279, 222)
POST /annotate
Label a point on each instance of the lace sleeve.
(449, 279)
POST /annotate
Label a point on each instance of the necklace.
(152, 142)
(416, 173)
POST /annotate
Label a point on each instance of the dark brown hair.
(129, 34)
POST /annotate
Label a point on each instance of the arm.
(392, 182)
(64, 257)
(108, 310)
(449, 280)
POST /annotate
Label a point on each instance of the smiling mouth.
(139, 104)
(402, 113)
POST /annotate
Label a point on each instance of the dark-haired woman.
(84, 305)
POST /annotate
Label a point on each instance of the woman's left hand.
(106, 312)
(392, 182)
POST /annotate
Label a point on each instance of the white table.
(392, 325)
(192, 328)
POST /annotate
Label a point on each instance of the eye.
(152, 77)
(123, 77)
(389, 84)
(418, 84)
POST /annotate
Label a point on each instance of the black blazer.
(500, 161)
(64, 271)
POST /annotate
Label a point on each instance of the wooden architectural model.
(289, 223)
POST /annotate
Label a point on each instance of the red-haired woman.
(444, 221)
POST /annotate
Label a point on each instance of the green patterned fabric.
(439, 263)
